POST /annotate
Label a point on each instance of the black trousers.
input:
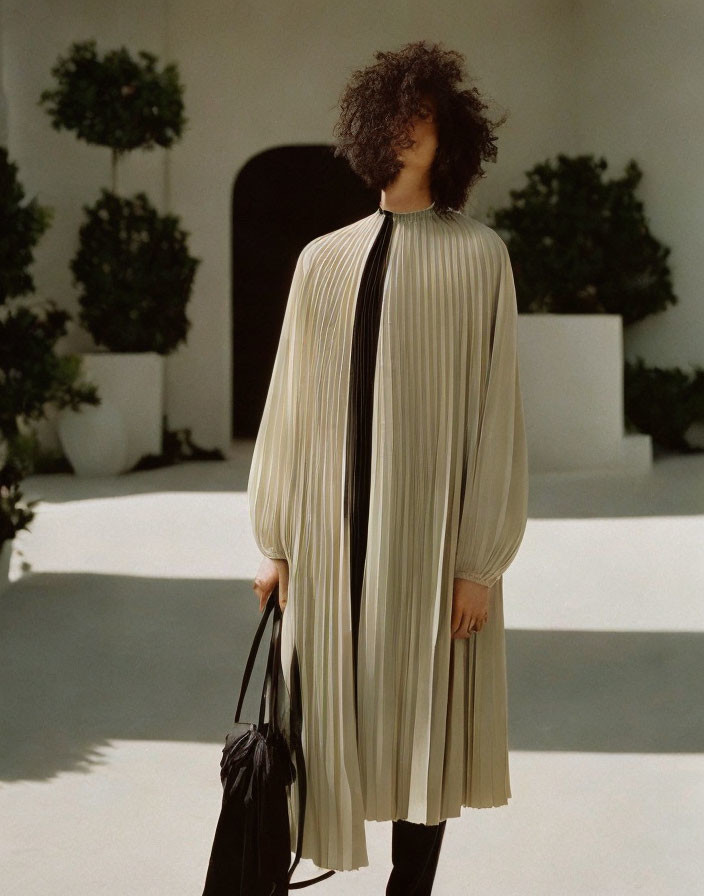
(415, 849)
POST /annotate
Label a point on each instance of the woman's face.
(422, 130)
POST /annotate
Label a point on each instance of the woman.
(389, 484)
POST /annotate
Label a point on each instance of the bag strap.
(296, 725)
(296, 716)
(271, 604)
(271, 678)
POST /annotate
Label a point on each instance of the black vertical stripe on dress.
(365, 337)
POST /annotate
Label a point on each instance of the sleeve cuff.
(480, 580)
(270, 553)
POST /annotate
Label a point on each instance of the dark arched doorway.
(281, 199)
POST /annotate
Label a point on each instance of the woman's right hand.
(270, 573)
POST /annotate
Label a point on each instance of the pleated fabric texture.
(420, 470)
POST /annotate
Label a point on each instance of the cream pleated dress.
(391, 459)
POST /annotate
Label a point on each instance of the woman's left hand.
(270, 573)
(470, 607)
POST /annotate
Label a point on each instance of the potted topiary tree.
(585, 264)
(132, 266)
(33, 377)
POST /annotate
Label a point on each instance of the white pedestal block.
(571, 369)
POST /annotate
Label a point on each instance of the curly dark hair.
(379, 101)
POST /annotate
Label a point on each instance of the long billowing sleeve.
(271, 470)
(494, 511)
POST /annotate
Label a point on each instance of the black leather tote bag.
(251, 848)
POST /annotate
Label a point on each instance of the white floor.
(122, 643)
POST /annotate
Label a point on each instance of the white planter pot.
(571, 371)
(111, 437)
(94, 439)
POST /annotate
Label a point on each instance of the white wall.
(640, 74)
(262, 75)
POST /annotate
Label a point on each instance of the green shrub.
(663, 402)
(581, 244)
(115, 101)
(23, 224)
(136, 275)
(32, 375)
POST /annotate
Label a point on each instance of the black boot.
(415, 849)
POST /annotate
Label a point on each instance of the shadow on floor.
(91, 658)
